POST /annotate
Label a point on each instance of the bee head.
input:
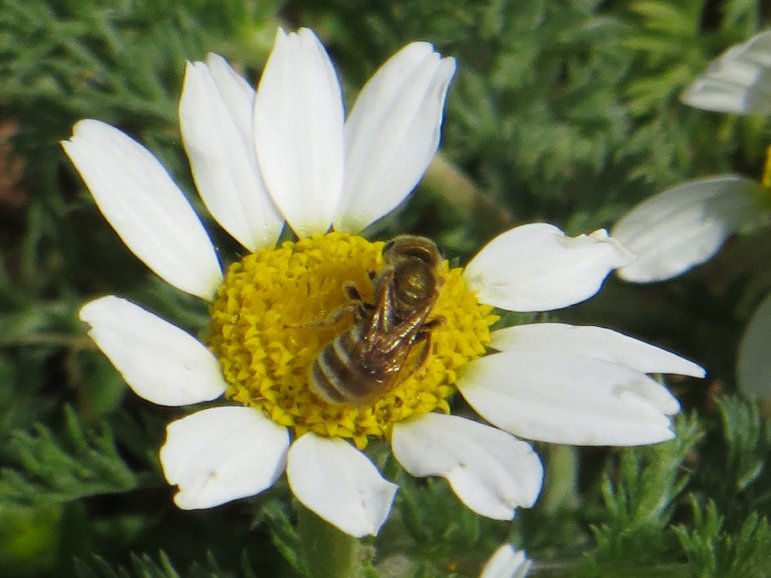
(408, 247)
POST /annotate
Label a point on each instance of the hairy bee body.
(364, 362)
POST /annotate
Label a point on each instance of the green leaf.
(143, 567)
(714, 552)
(29, 539)
(285, 536)
(60, 467)
(732, 473)
(640, 495)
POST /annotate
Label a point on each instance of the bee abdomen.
(337, 376)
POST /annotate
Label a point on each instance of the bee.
(364, 362)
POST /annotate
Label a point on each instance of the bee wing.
(390, 343)
(738, 81)
(383, 317)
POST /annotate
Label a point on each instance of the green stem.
(328, 552)
(447, 181)
(560, 487)
(76, 342)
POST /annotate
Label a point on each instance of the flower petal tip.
(506, 562)
(213, 459)
(491, 471)
(139, 199)
(536, 267)
(298, 132)
(159, 361)
(340, 484)
(392, 133)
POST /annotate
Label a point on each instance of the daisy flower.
(684, 226)
(285, 156)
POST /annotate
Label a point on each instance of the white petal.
(568, 399)
(753, 368)
(738, 81)
(298, 128)
(236, 92)
(144, 206)
(339, 483)
(684, 226)
(216, 122)
(506, 562)
(537, 268)
(596, 342)
(392, 133)
(222, 454)
(160, 362)
(491, 471)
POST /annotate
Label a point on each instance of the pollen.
(277, 308)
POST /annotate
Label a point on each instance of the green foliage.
(285, 536)
(713, 552)
(735, 474)
(61, 468)
(644, 525)
(29, 538)
(429, 533)
(145, 566)
(640, 497)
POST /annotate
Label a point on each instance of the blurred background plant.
(563, 112)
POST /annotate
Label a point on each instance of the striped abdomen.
(354, 370)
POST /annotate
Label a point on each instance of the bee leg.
(424, 338)
(352, 292)
(433, 324)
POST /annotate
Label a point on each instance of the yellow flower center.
(765, 193)
(278, 308)
(766, 180)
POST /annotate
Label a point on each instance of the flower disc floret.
(276, 310)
